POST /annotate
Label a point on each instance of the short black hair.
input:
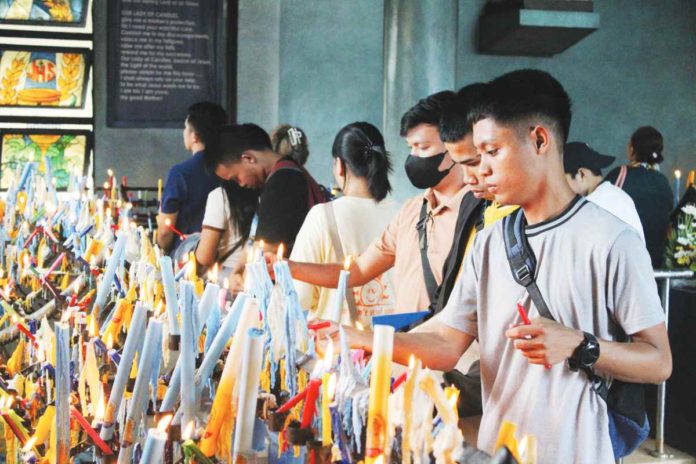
(574, 172)
(205, 118)
(647, 143)
(361, 146)
(427, 111)
(454, 122)
(233, 140)
(526, 93)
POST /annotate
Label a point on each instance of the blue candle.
(677, 186)
(62, 420)
(189, 350)
(108, 278)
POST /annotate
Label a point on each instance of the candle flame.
(281, 251)
(164, 422)
(262, 245)
(188, 431)
(106, 185)
(160, 308)
(380, 459)
(677, 173)
(110, 341)
(101, 408)
(30, 445)
(213, 274)
(359, 326)
(91, 326)
(331, 387)
(110, 172)
(411, 362)
(9, 402)
(226, 283)
(347, 262)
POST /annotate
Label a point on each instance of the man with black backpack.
(242, 153)
(555, 307)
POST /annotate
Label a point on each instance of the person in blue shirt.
(189, 183)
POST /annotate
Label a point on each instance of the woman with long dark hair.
(229, 213)
(346, 226)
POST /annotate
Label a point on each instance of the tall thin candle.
(378, 405)
(135, 333)
(108, 278)
(153, 340)
(248, 395)
(189, 350)
(170, 294)
(62, 419)
(340, 295)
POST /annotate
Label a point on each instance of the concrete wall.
(320, 65)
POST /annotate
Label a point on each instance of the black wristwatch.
(585, 355)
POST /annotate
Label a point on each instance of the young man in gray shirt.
(592, 269)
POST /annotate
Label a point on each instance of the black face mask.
(423, 172)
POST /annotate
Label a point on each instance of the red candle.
(310, 406)
(288, 405)
(22, 328)
(318, 325)
(90, 431)
(523, 314)
(399, 380)
(169, 224)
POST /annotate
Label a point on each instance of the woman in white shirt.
(361, 168)
(229, 212)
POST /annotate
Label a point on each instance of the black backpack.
(628, 421)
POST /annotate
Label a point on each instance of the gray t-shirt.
(594, 273)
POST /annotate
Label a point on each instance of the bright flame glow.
(92, 326)
(359, 326)
(168, 222)
(188, 432)
(99, 412)
(110, 341)
(346, 263)
(677, 174)
(411, 362)
(9, 402)
(226, 283)
(110, 172)
(106, 185)
(30, 445)
(164, 422)
(380, 459)
(281, 251)
(331, 387)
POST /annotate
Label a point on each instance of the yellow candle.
(380, 382)
(159, 191)
(325, 412)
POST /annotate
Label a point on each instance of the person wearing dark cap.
(583, 167)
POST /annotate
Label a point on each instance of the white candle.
(153, 452)
(108, 278)
(340, 295)
(170, 294)
(248, 394)
(62, 419)
(152, 342)
(229, 324)
(135, 334)
(187, 360)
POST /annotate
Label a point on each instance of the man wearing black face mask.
(418, 240)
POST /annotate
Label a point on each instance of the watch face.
(590, 353)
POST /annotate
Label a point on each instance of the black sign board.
(163, 56)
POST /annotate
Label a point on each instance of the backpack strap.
(621, 178)
(315, 194)
(340, 256)
(522, 260)
(421, 226)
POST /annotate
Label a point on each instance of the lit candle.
(90, 431)
(378, 406)
(159, 193)
(135, 333)
(62, 420)
(153, 341)
(248, 394)
(677, 186)
(340, 295)
(153, 452)
(690, 180)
